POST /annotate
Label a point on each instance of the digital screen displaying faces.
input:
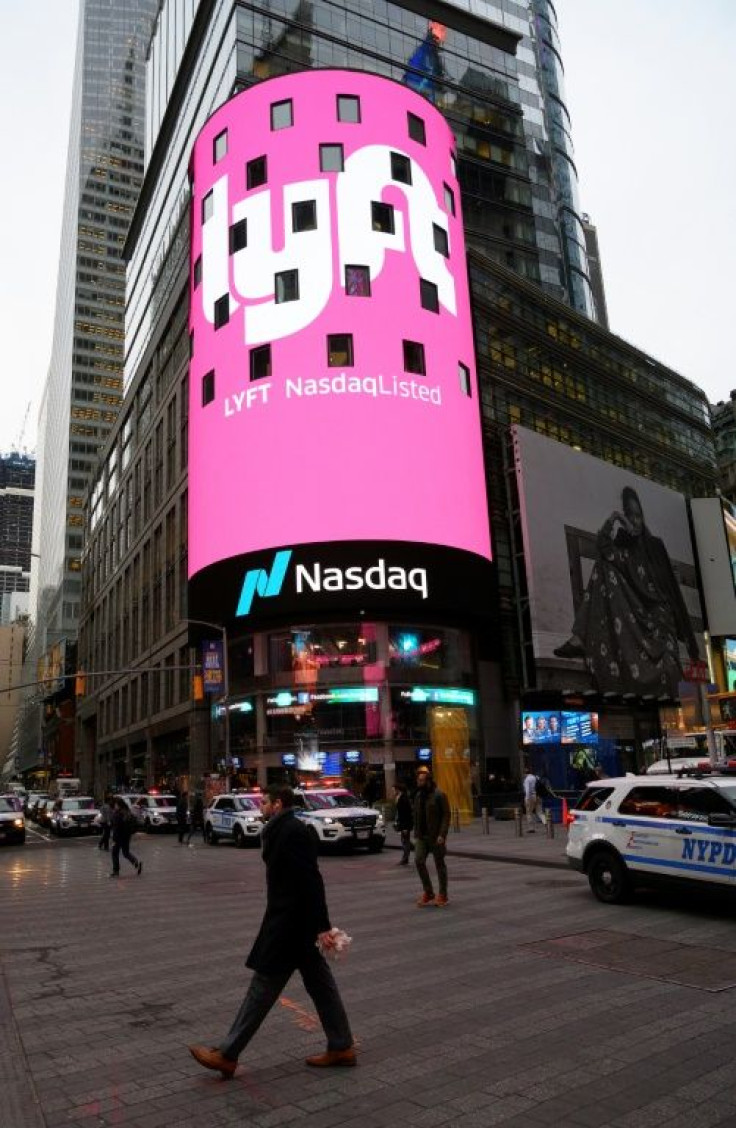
(554, 727)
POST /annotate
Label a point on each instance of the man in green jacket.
(431, 824)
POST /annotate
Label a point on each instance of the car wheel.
(22, 839)
(238, 838)
(209, 835)
(376, 844)
(609, 878)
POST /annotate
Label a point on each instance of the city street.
(524, 1003)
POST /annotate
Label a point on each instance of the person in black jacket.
(404, 822)
(296, 918)
(122, 829)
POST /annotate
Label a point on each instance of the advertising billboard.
(335, 455)
(714, 525)
(610, 572)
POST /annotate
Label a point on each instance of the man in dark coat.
(122, 828)
(404, 821)
(296, 918)
(431, 824)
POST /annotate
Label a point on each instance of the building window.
(441, 241)
(197, 272)
(400, 168)
(222, 311)
(414, 358)
(191, 344)
(260, 362)
(340, 350)
(348, 108)
(282, 114)
(429, 295)
(331, 158)
(453, 164)
(382, 217)
(286, 285)
(208, 207)
(464, 374)
(219, 146)
(238, 236)
(304, 215)
(357, 281)
(208, 387)
(417, 131)
(449, 199)
(256, 172)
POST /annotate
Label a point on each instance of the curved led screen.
(333, 397)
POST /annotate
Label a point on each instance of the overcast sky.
(651, 88)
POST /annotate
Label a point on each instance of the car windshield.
(244, 804)
(729, 792)
(78, 805)
(7, 805)
(160, 801)
(319, 800)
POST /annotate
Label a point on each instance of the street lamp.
(226, 686)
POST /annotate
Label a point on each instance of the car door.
(224, 815)
(707, 853)
(646, 829)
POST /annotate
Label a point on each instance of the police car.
(237, 816)
(154, 811)
(12, 823)
(337, 818)
(641, 829)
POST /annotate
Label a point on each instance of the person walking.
(532, 802)
(182, 815)
(294, 932)
(404, 821)
(431, 824)
(196, 817)
(122, 829)
(105, 823)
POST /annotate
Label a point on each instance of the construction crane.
(22, 434)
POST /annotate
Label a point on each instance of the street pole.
(226, 687)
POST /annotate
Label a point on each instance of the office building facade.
(83, 389)
(17, 480)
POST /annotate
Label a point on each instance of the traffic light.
(80, 684)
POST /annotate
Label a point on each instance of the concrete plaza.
(525, 1003)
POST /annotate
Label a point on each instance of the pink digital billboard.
(333, 395)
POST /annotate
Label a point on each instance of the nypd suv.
(642, 829)
(234, 816)
(336, 817)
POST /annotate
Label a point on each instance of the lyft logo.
(247, 276)
(260, 582)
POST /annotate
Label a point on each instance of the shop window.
(260, 362)
(208, 387)
(286, 285)
(449, 199)
(219, 146)
(382, 217)
(282, 114)
(441, 241)
(304, 215)
(340, 350)
(357, 281)
(464, 374)
(331, 158)
(238, 236)
(222, 311)
(348, 108)
(417, 130)
(400, 168)
(429, 295)
(256, 172)
(414, 358)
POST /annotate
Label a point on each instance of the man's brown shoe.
(333, 1057)
(213, 1059)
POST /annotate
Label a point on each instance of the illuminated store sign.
(329, 305)
(440, 695)
(287, 702)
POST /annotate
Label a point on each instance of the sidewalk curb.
(476, 855)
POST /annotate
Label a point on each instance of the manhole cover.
(688, 965)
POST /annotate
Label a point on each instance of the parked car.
(236, 816)
(339, 818)
(12, 822)
(155, 812)
(73, 815)
(32, 799)
(42, 812)
(640, 830)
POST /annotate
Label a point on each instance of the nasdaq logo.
(260, 582)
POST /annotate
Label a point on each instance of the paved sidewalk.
(502, 843)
